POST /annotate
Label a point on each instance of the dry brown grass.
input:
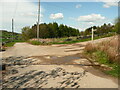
(110, 47)
(90, 47)
(112, 54)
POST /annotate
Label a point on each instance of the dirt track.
(45, 59)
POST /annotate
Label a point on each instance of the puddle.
(63, 60)
(47, 59)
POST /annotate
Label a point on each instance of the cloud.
(91, 18)
(107, 0)
(78, 6)
(56, 16)
(110, 4)
(26, 14)
(91, 23)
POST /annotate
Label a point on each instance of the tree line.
(51, 30)
(100, 30)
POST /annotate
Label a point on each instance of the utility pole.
(38, 19)
(92, 34)
(12, 29)
(92, 37)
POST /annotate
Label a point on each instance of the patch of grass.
(105, 53)
(102, 58)
(10, 44)
(34, 42)
(115, 71)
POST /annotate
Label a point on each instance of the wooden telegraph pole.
(12, 29)
(92, 37)
(92, 34)
(38, 19)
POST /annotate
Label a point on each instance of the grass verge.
(101, 53)
(35, 42)
(10, 44)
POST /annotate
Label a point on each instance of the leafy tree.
(26, 33)
(61, 30)
(44, 31)
(51, 30)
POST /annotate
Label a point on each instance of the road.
(53, 66)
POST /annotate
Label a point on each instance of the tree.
(51, 30)
(44, 31)
(61, 30)
(26, 33)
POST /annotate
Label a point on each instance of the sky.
(79, 15)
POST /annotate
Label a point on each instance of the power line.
(16, 5)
